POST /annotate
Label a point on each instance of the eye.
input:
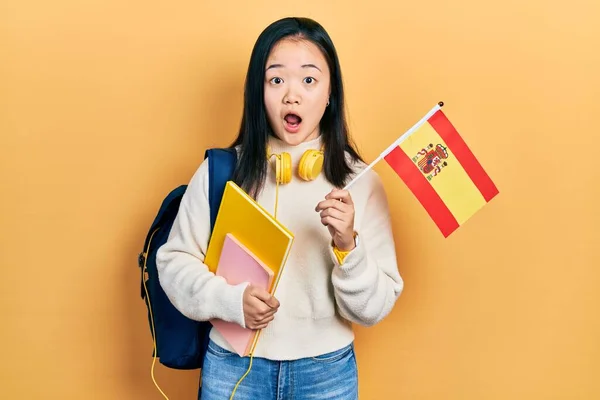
(276, 80)
(309, 80)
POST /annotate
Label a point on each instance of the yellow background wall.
(107, 105)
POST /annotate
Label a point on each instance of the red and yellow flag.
(441, 171)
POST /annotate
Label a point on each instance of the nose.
(292, 96)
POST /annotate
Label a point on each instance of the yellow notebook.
(252, 225)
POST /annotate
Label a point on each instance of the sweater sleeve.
(195, 291)
(367, 283)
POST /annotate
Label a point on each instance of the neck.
(279, 146)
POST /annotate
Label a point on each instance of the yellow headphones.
(309, 168)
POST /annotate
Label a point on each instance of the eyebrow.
(273, 66)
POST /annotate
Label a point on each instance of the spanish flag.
(441, 171)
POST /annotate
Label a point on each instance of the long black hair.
(255, 129)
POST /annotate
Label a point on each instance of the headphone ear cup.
(283, 168)
(286, 161)
(311, 164)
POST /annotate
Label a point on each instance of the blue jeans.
(331, 376)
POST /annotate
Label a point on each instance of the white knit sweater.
(319, 298)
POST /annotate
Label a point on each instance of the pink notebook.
(237, 264)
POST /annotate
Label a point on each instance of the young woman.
(342, 268)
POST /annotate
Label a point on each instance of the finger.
(259, 323)
(265, 312)
(260, 309)
(259, 326)
(262, 295)
(257, 307)
(331, 222)
(266, 320)
(252, 325)
(339, 194)
(273, 303)
(333, 203)
(334, 213)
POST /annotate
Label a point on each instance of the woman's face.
(297, 88)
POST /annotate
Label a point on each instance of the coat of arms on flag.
(431, 160)
(440, 170)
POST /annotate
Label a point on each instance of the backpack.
(179, 342)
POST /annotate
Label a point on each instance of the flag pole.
(397, 143)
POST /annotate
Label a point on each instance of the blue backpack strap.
(221, 165)
(174, 197)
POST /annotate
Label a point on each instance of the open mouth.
(292, 122)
